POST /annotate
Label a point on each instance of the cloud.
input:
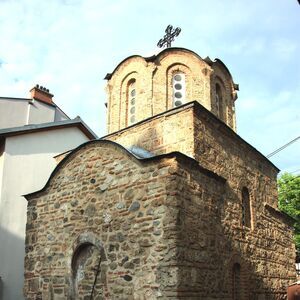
(69, 45)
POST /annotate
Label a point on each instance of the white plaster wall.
(2, 153)
(27, 163)
(60, 115)
(40, 112)
(13, 113)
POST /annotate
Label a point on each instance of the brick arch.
(86, 261)
(238, 278)
(87, 238)
(222, 77)
(170, 71)
(222, 112)
(123, 106)
(246, 183)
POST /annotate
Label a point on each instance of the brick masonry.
(154, 86)
(166, 227)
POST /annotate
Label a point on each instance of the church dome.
(142, 87)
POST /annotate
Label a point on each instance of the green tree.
(289, 200)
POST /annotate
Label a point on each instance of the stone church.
(171, 204)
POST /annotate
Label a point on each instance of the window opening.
(246, 213)
(178, 83)
(236, 281)
(219, 101)
(131, 112)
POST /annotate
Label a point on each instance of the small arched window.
(131, 102)
(178, 84)
(236, 282)
(246, 210)
(219, 101)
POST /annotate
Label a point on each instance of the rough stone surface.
(154, 93)
(168, 227)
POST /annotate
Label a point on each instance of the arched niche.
(88, 268)
(220, 99)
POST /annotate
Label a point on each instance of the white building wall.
(60, 115)
(13, 112)
(27, 164)
(2, 153)
(39, 112)
(20, 112)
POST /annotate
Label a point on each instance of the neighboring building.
(39, 108)
(33, 132)
(187, 210)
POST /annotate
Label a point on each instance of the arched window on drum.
(219, 101)
(178, 83)
(131, 102)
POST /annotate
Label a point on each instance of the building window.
(219, 101)
(236, 282)
(131, 102)
(246, 211)
(178, 83)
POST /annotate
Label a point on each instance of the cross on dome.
(169, 36)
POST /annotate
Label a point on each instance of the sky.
(68, 46)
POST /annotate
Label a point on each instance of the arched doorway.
(86, 272)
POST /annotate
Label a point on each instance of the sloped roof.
(156, 57)
(77, 122)
(151, 158)
(30, 99)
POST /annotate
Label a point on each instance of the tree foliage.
(289, 200)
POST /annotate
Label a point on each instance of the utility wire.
(295, 171)
(283, 147)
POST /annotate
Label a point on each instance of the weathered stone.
(120, 237)
(150, 212)
(74, 202)
(90, 210)
(173, 224)
(134, 206)
(129, 194)
(127, 277)
(125, 259)
(113, 265)
(128, 265)
(120, 205)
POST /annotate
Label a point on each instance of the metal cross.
(168, 37)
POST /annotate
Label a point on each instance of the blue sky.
(69, 46)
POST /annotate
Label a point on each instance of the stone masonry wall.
(212, 241)
(266, 246)
(138, 230)
(172, 131)
(103, 218)
(154, 89)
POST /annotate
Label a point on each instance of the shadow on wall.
(1, 289)
(12, 275)
(217, 261)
